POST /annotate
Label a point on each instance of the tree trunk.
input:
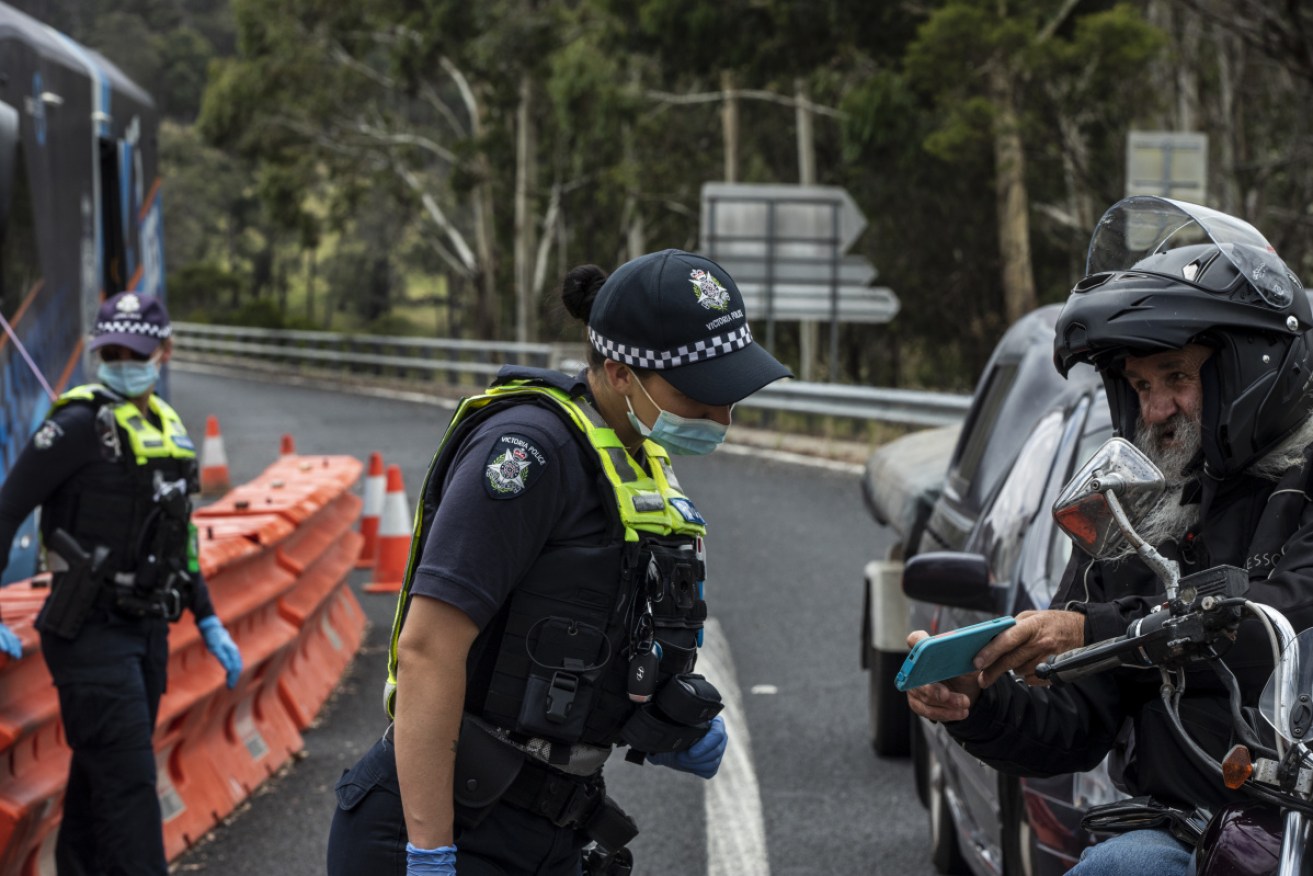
(1012, 200)
(525, 185)
(632, 215)
(312, 266)
(808, 333)
(488, 310)
(729, 121)
(1231, 136)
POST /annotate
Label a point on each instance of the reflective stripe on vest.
(643, 496)
(146, 441)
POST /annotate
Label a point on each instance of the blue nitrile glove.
(221, 645)
(10, 643)
(430, 862)
(702, 758)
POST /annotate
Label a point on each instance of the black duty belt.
(573, 802)
(564, 800)
(505, 774)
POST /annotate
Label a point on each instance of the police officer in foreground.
(553, 607)
(112, 470)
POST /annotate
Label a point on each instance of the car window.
(981, 426)
(1019, 498)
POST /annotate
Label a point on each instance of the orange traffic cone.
(288, 447)
(375, 488)
(214, 462)
(393, 538)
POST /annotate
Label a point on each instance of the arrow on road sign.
(796, 302)
(784, 246)
(733, 213)
(852, 270)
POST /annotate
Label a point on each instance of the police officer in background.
(554, 605)
(112, 470)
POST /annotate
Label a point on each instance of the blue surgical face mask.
(129, 378)
(681, 436)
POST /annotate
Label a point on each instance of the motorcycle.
(1199, 618)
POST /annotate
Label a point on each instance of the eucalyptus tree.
(417, 100)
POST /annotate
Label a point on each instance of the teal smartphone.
(949, 654)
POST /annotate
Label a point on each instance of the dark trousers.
(368, 837)
(110, 679)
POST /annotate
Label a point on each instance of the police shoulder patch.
(514, 465)
(47, 435)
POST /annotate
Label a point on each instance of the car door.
(972, 787)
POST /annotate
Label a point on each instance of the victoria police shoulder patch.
(48, 434)
(514, 465)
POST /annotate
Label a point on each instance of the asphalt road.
(786, 547)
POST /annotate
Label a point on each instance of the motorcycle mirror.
(1118, 476)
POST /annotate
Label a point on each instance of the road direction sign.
(814, 303)
(1173, 164)
(853, 271)
(740, 219)
(784, 245)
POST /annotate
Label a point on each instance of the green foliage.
(199, 289)
(261, 313)
(355, 164)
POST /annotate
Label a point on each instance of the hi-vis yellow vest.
(651, 513)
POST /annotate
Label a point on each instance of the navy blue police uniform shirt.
(57, 452)
(520, 481)
(67, 446)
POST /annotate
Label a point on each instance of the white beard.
(1166, 519)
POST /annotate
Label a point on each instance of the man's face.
(1171, 402)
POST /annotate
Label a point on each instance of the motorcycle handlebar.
(1080, 662)
(1126, 650)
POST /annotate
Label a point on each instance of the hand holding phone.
(949, 654)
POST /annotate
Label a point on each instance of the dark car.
(980, 819)
(931, 487)
(1026, 431)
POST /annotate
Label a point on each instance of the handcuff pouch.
(485, 767)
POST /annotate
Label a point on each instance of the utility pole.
(729, 120)
(807, 333)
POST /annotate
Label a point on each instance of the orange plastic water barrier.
(275, 553)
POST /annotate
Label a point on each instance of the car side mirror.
(953, 578)
(1093, 507)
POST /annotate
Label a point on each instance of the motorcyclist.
(1203, 337)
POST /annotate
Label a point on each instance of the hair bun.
(579, 290)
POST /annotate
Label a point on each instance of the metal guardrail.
(434, 358)
(904, 406)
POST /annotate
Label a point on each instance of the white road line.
(736, 832)
(790, 457)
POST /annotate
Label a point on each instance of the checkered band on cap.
(133, 327)
(659, 360)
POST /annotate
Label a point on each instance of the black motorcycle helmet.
(1162, 274)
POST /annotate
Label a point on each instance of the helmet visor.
(1142, 226)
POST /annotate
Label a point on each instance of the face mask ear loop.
(644, 430)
